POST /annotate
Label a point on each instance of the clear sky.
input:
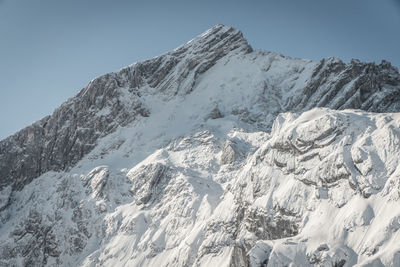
(50, 49)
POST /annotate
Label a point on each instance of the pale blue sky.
(51, 49)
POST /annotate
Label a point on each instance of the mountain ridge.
(222, 39)
(211, 154)
(104, 87)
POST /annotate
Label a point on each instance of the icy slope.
(321, 189)
(334, 176)
(187, 160)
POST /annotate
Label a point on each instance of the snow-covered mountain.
(211, 155)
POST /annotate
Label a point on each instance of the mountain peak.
(168, 75)
(223, 36)
(220, 29)
(116, 99)
(172, 161)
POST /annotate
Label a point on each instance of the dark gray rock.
(355, 85)
(269, 227)
(35, 241)
(149, 182)
(215, 114)
(239, 257)
(229, 153)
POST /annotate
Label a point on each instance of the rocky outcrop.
(59, 141)
(355, 85)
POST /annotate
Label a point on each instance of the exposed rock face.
(356, 85)
(210, 155)
(59, 141)
(149, 183)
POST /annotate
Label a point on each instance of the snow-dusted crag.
(212, 154)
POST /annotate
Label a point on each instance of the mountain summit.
(210, 155)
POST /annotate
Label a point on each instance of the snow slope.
(210, 155)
